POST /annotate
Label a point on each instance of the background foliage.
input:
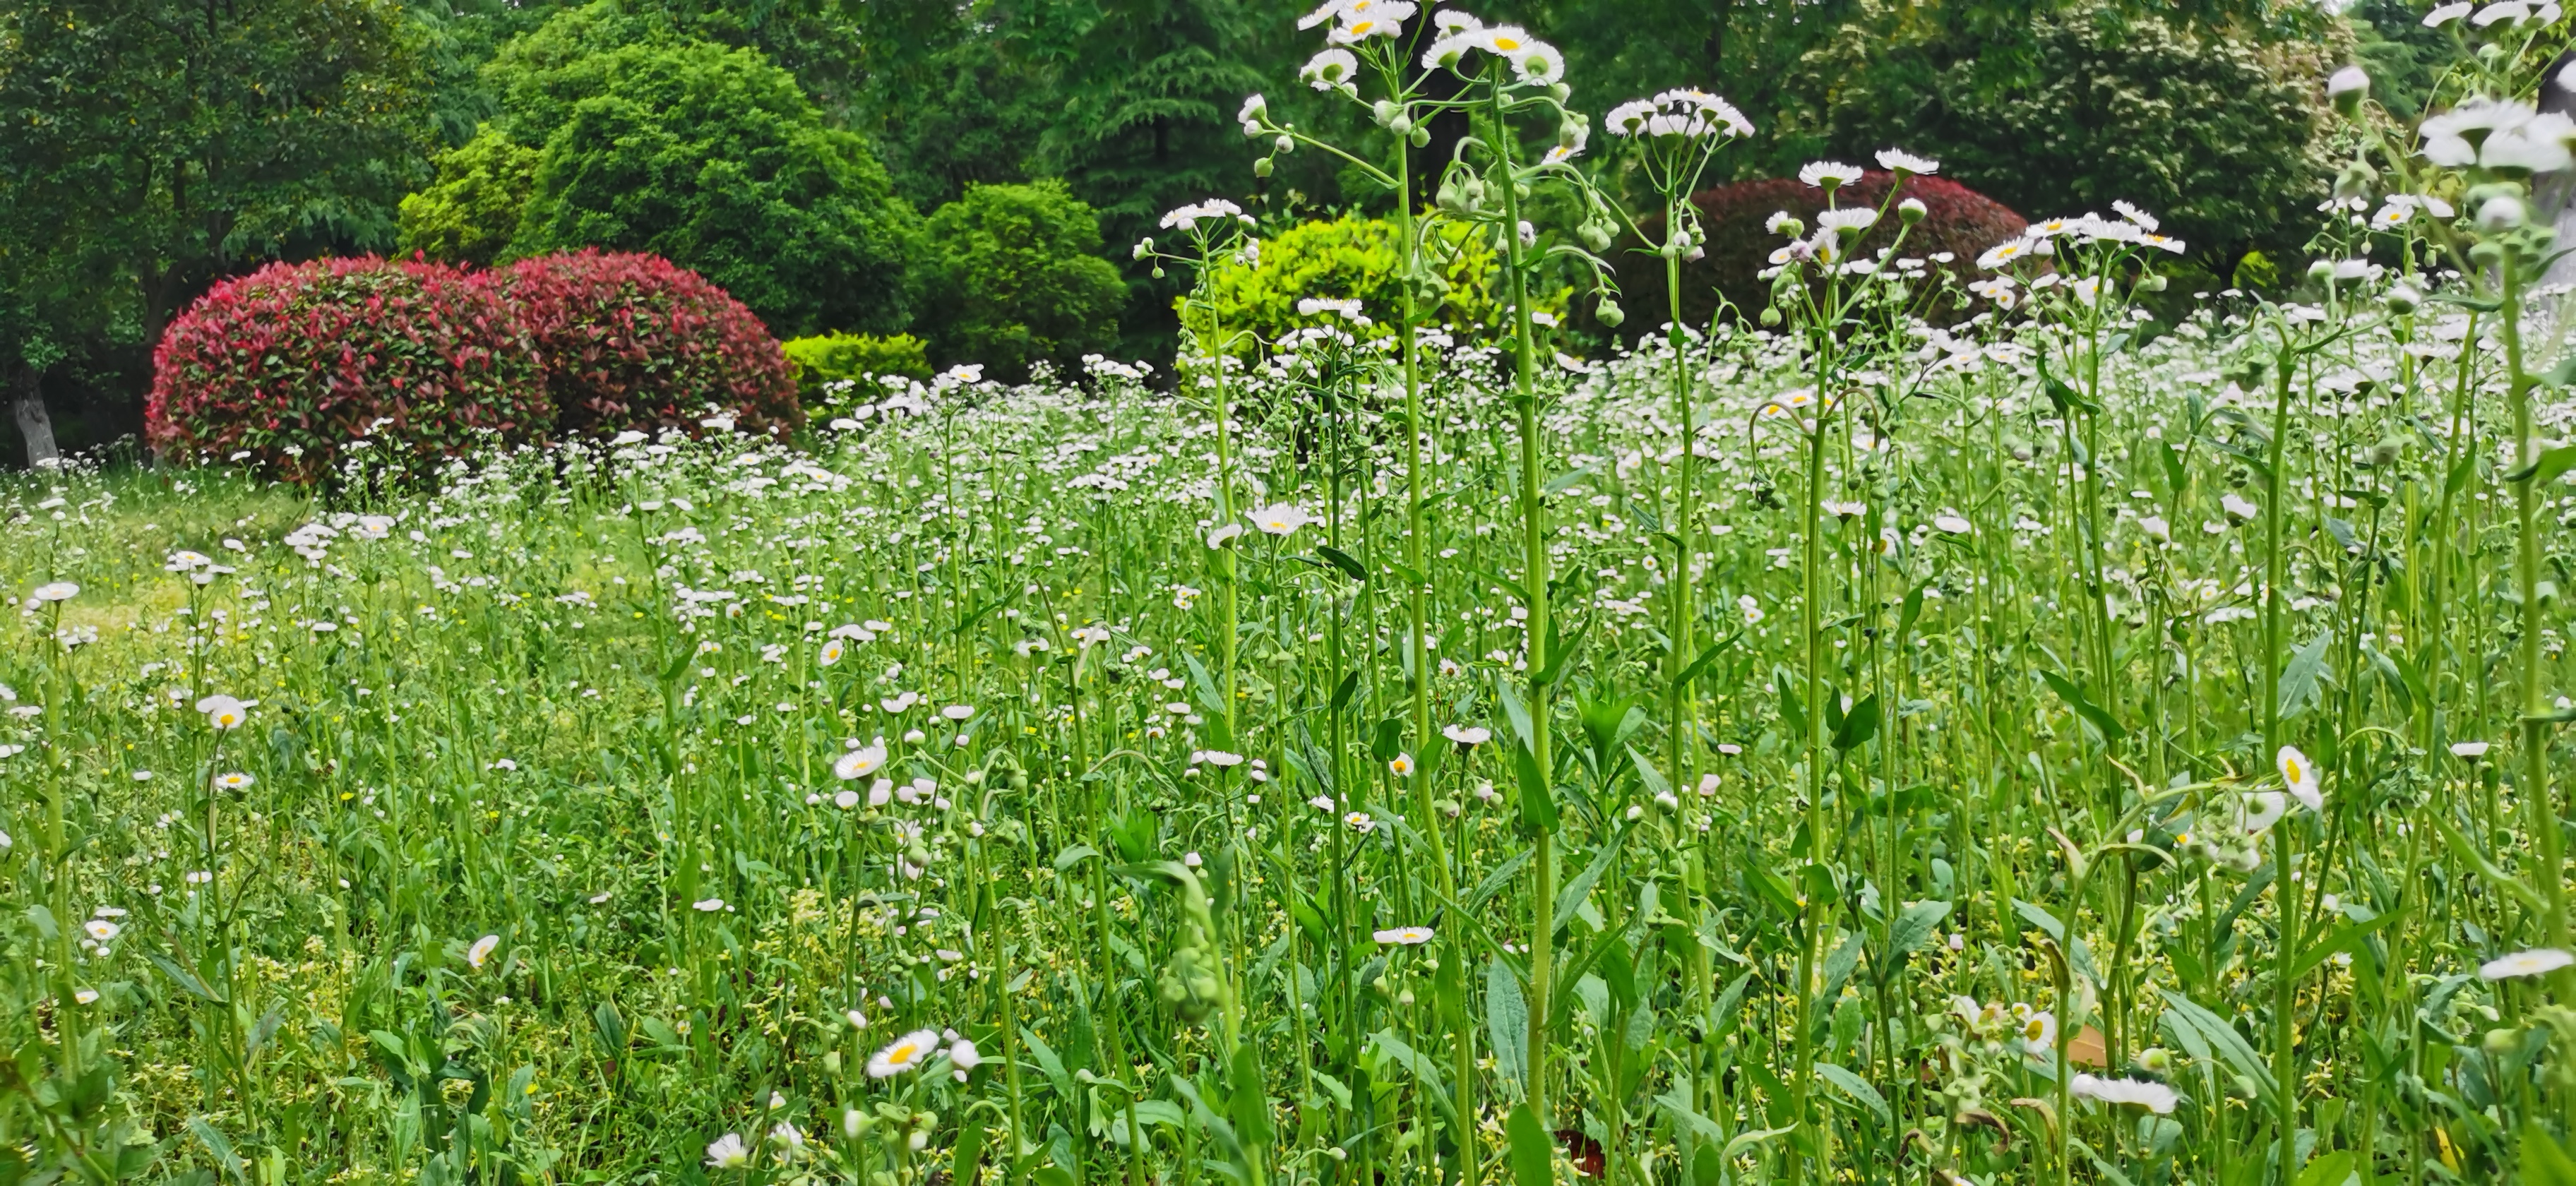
(1015, 277)
(799, 152)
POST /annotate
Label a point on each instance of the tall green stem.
(1534, 582)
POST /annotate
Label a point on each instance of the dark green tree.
(628, 135)
(1147, 123)
(151, 146)
(2221, 130)
(1014, 276)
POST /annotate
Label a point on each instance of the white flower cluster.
(2134, 226)
(1534, 62)
(1355, 21)
(2511, 13)
(1687, 112)
(1187, 218)
(2503, 135)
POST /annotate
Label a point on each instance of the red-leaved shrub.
(293, 362)
(1957, 221)
(636, 342)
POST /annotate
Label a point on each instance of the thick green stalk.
(2284, 891)
(1534, 582)
(1452, 1011)
(1811, 629)
(2526, 581)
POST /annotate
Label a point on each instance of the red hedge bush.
(1957, 220)
(635, 342)
(293, 361)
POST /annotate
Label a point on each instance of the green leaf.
(1570, 899)
(968, 1153)
(1651, 778)
(1771, 888)
(1676, 1104)
(1209, 698)
(1342, 695)
(1855, 1087)
(1533, 1155)
(2346, 938)
(1420, 1066)
(1507, 1023)
(2332, 1169)
(1560, 653)
(184, 978)
(213, 1139)
(2544, 1161)
(1344, 561)
(1913, 928)
(1700, 665)
(1859, 725)
(2222, 1039)
(1538, 801)
(2299, 678)
(2099, 717)
(2547, 467)
(1248, 1100)
(2470, 856)
(1559, 483)
(1074, 856)
(1746, 1140)
(1792, 709)
(1496, 880)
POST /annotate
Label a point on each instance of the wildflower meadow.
(1979, 721)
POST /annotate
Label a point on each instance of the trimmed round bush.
(632, 341)
(284, 368)
(1957, 221)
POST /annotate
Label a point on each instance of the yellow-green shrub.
(827, 358)
(1356, 259)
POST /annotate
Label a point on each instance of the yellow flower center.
(1361, 28)
(1506, 44)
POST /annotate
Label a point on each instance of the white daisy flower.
(728, 1152)
(2154, 1097)
(1828, 174)
(1899, 161)
(1329, 69)
(2539, 961)
(2300, 777)
(906, 1053)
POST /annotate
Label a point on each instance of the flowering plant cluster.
(297, 369)
(285, 368)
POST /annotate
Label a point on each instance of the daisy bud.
(2500, 213)
(2348, 88)
(1285, 144)
(1610, 314)
(1421, 137)
(2321, 270)
(1261, 168)
(1383, 111)
(2404, 299)
(1144, 247)
(1912, 210)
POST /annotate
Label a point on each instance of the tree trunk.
(33, 423)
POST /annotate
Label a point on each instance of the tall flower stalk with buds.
(1673, 137)
(1215, 229)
